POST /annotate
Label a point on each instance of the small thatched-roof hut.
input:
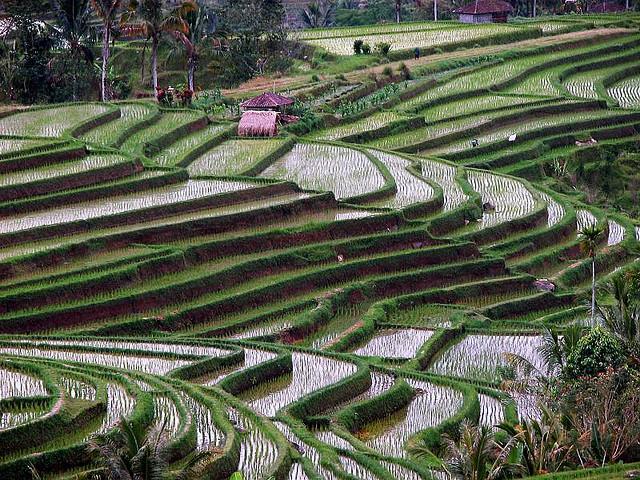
(606, 7)
(267, 101)
(258, 124)
(484, 11)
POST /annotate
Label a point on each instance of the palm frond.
(35, 475)
(520, 364)
(173, 23)
(130, 30)
(590, 239)
(196, 465)
(552, 351)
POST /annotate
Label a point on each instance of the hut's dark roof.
(607, 7)
(484, 7)
(267, 100)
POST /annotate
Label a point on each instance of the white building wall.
(467, 18)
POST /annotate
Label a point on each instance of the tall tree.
(72, 29)
(107, 10)
(72, 20)
(149, 19)
(589, 240)
(199, 23)
(622, 316)
(319, 14)
(255, 41)
(398, 10)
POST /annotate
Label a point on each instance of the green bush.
(383, 48)
(307, 123)
(404, 71)
(209, 102)
(594, 353)
(357, 47)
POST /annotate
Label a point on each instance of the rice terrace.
(264, 239)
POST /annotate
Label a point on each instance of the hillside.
(318, 304)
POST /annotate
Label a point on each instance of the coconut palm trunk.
(106, 53)
(398, 9)
(589, 241)
(435, 10)
(593, 288)
(191, 73)
(154, 61)
(107, 10)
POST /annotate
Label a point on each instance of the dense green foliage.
(594, 353)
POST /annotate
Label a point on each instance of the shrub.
(315, 78)
(387, 71)
(299, 109)
(308, 122)
(606, 415)
(120, 86)
(404, 71)
(594, 353)
(366, 48)
(322, 56)
(383, 48)
(357, 47)
(209, 102)
(376, 98)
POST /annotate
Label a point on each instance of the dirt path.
(11, 107)
(260, 84)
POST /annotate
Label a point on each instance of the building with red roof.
(267, 101)
(263, 114)
(485, 11)
(606, 7)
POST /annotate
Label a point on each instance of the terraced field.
(627, 92)
(303, 307)
(427, 37)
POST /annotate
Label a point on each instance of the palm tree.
(398, 10)
(318, 14)
(543, 444)
(149, 19)
(134, 454)
(622, 317)
(527, 382)
(554, 351)
(72, 30)
(107, 10)
(72, 19)
(198, 24)
(72, 22)
(475, 456)
(589, 241)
